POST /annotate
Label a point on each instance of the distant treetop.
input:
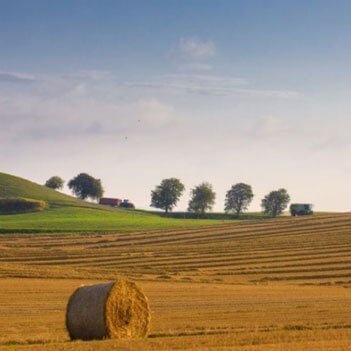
(55, 183)
(202, 198)
(85, 186)
(238, 198)
(275, 202)
(166, 195)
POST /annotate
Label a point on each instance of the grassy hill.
(68, 214)
(12, 186)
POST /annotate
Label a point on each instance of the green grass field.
(67, 214)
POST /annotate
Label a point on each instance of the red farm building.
(108, 201)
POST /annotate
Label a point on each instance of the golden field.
(280, 284)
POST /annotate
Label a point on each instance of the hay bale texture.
(111, 310)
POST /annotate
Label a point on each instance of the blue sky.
(220, 91)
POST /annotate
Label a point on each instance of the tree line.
(166, 195)
(238, 198)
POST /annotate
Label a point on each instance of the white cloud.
(212, 85)
(93, 105)
(16, 77)
(91, 75)
(63, 108)
(265, 93)
(195, 67)
(269, 126)
(196, 49)
(153, 112)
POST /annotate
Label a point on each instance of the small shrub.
(20, 205)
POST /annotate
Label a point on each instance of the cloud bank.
(211, 85)
(77, 105)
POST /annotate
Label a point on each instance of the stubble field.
(259, 285)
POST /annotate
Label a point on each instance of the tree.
(238, 198)
(84, 186)
(202, 198)
(275, 202)
(167, 194)
(55, 183)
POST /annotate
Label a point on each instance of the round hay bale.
(111, 310)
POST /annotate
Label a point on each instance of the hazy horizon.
(133, 92)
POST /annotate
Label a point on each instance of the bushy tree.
(84, 186)
(238, 198)
(167, 194)
(275, 202)
(55, 183)
(202, 198)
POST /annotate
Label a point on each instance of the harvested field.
(279, 284)
(314, 250)
(186, 315)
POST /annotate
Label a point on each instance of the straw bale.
(110, 310)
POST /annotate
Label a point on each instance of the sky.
(133, 92)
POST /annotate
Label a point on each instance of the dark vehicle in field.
(127, 204)
(301, 209)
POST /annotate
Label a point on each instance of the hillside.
(68, 214)
(12, 186)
